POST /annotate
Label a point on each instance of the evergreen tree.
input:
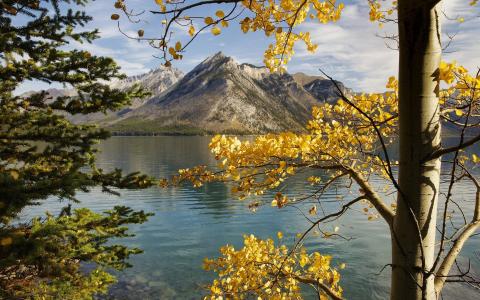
(43, 154)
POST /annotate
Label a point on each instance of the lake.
(191, 224)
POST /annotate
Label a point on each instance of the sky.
(350, 50)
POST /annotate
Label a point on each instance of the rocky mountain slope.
(156, 82)
(217, 96)
(223, 96)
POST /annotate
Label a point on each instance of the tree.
(352, 138)
(43, 154)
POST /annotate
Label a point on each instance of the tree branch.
(197, 4)
(442, 151)
(321, 285)
(444, 269)
(370, 193)
(373, 197)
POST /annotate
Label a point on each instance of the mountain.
(223, 96)
(325, 90)
(304, 79)
(217, 96)
(156, 82)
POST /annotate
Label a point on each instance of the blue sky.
(349, 50)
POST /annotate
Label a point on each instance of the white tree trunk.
(415, 220)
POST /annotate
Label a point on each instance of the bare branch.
(468, 231)
(442, 151)
(197, 4)
(321, 285)
(373, 197)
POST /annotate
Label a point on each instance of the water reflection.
(192, 224)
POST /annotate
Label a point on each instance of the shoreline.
(154, 134)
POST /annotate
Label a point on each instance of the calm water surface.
(190, 225)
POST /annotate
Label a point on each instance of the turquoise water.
(191, 224)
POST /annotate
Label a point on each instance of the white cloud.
(352, 52)
(464, 47)
(349, 51)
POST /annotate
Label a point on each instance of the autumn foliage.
(343, 141)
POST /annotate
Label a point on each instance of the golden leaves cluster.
(379, 14)
(462, 92)
(339, 137)
(343, 136)
(460, 100)
(279, 18)
(379, 11)
(269, 271)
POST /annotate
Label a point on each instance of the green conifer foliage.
(43, 154)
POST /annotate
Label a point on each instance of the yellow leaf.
(290, 170)
(446, 72)
(14, 174)
(6, 241)
(208, 20)
(178, 46)
(216, 30)
(313, 210)
(458, 112)
(280, 235)
(118, 5)
(303, 260)
(191, 30)
(220, 14)
(475, 158)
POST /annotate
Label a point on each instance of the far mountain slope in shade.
(222, 96)
(304, 79)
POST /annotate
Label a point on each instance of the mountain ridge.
(222, 96)
(219, 95)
